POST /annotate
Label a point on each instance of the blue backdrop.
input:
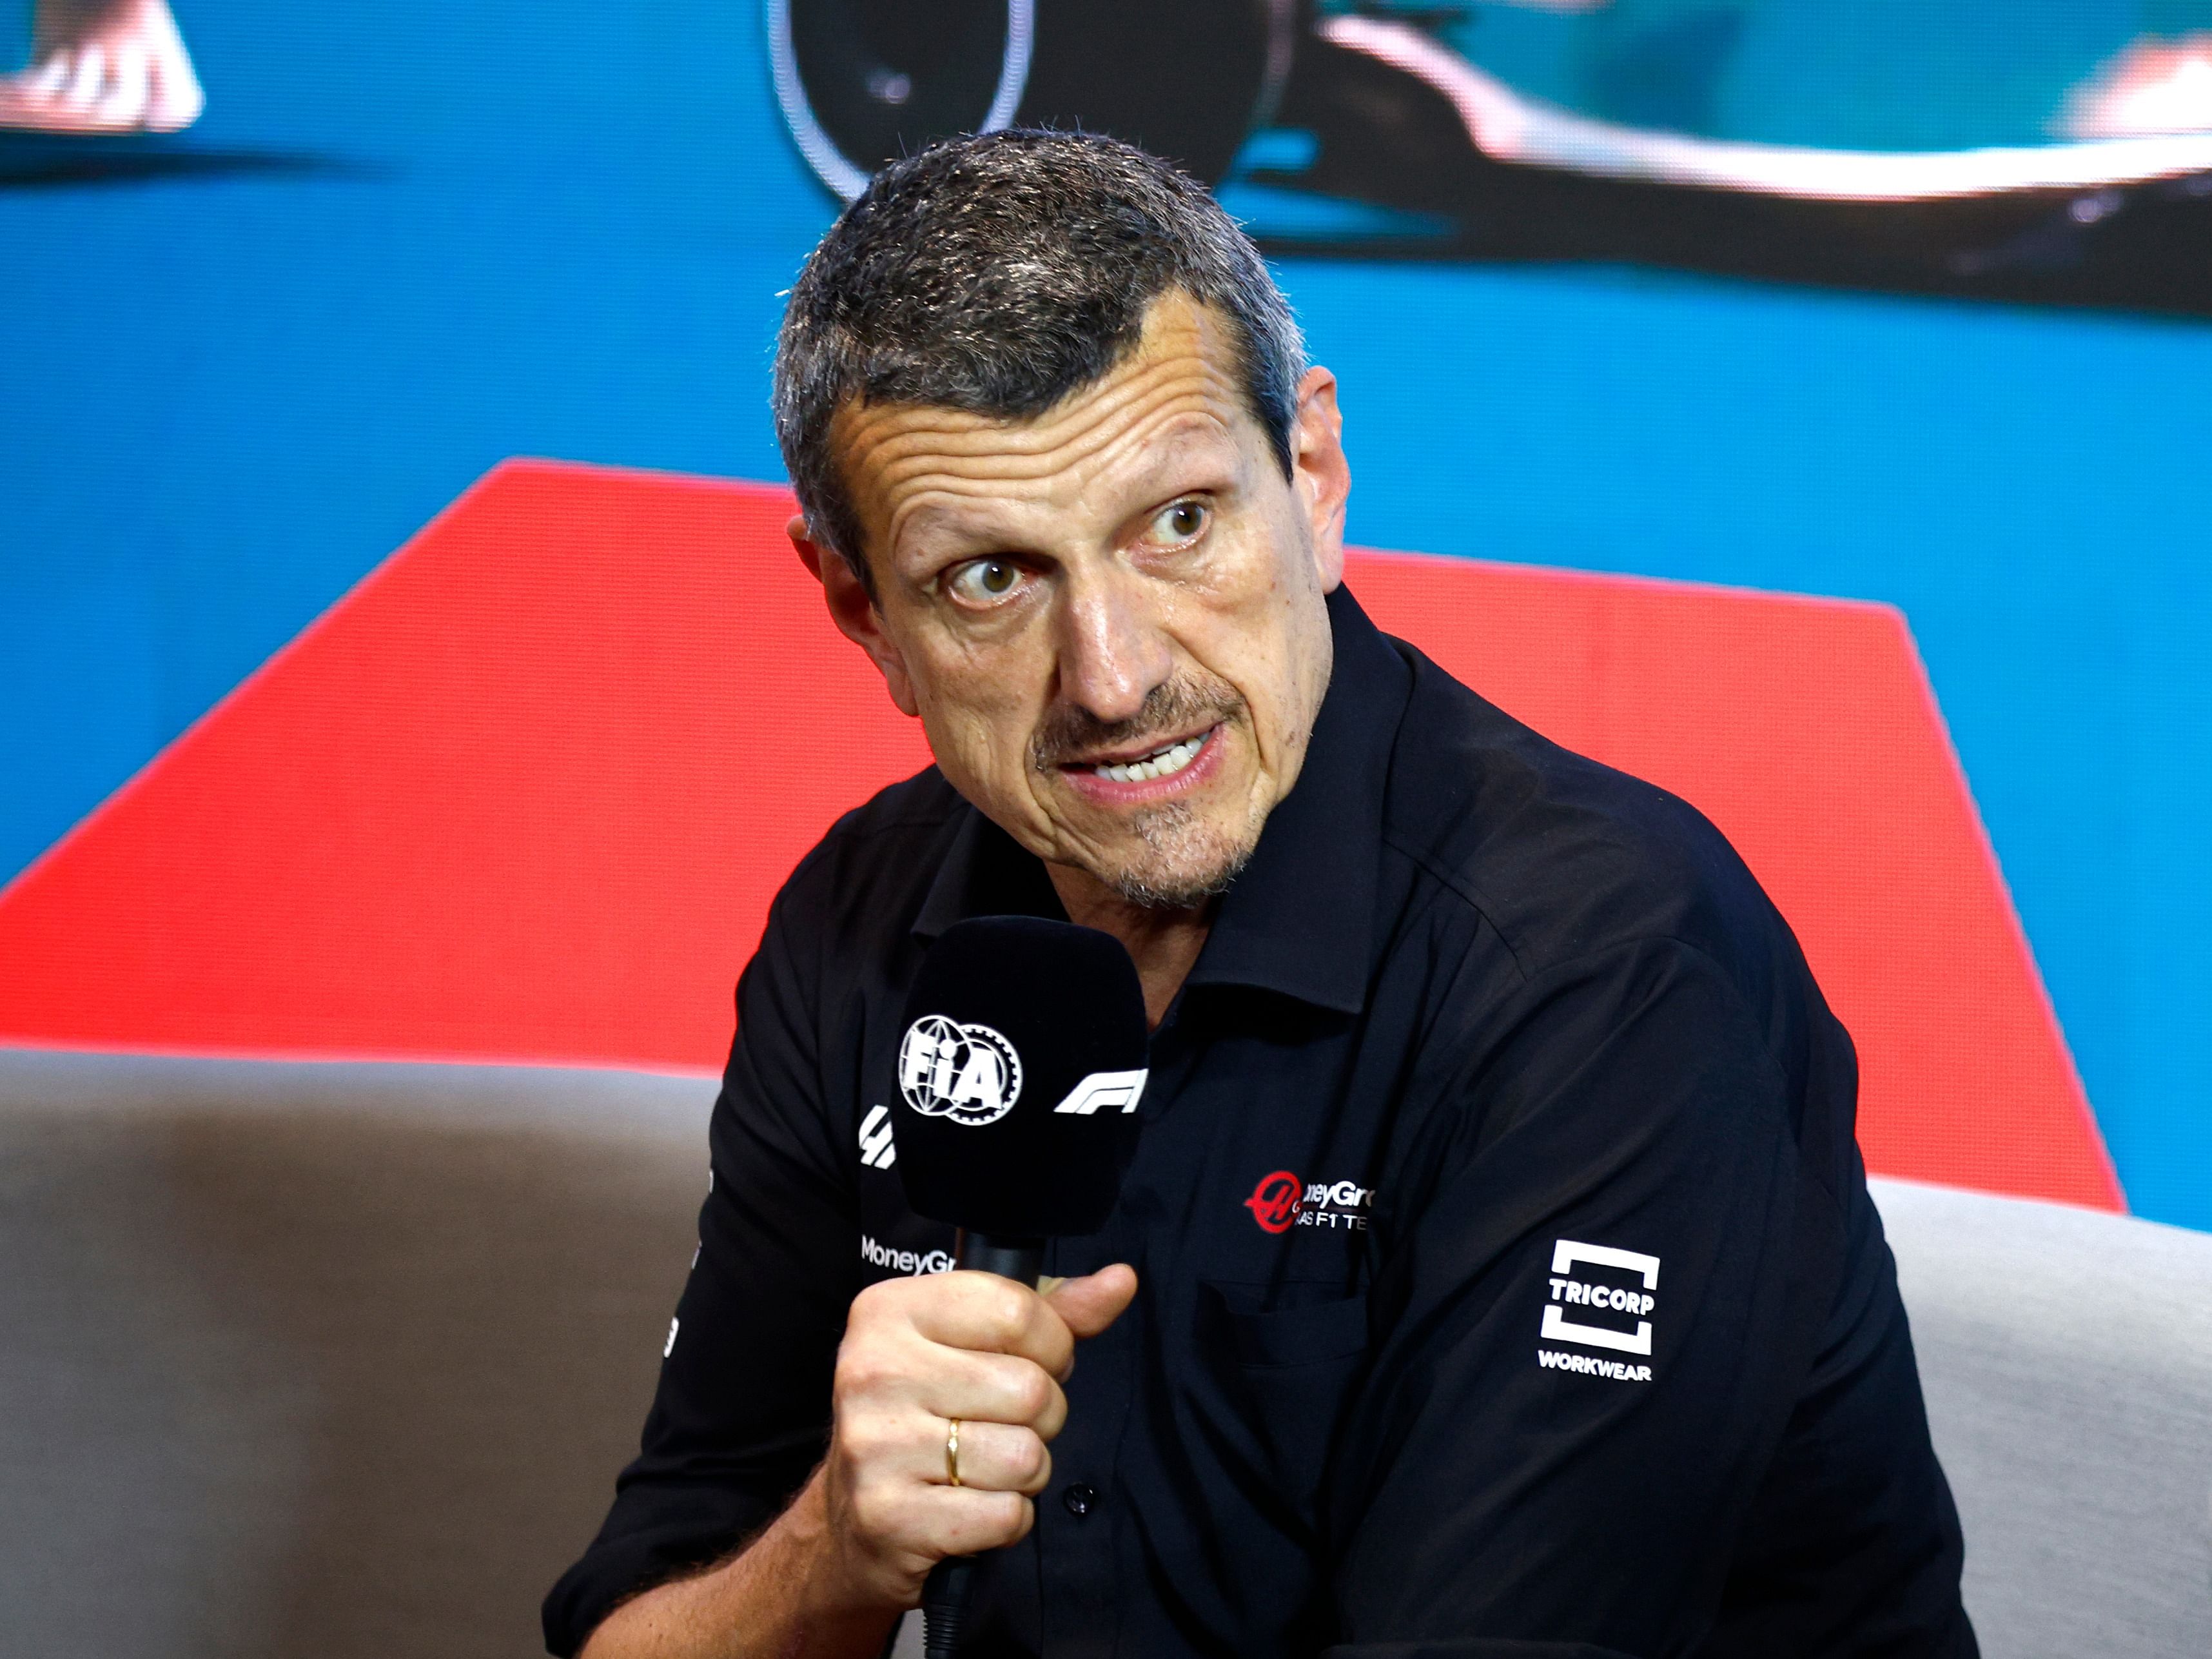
(409, 240)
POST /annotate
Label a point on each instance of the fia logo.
(968, 1073)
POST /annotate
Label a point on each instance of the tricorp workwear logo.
(1590, 1312)
(968, 1073)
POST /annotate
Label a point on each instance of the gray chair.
(326, 1360)
(2067, 1358)
(341, 1359)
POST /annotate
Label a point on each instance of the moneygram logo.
(1282, 1201)
(899, 1261)
(968, 1073)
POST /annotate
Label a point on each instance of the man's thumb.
(1090, 1304)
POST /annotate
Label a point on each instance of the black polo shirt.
(1509, 1281)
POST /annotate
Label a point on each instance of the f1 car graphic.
(1967, 147)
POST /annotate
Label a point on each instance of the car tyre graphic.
(861, 82)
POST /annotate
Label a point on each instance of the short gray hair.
(999, 273)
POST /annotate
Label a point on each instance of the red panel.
(1805, 729)
(526, 794)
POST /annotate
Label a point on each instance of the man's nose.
(1113, 649)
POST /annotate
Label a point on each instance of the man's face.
(1110, 618)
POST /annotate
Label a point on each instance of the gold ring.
(953, 1451)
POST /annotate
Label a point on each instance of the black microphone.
(1024, 1058)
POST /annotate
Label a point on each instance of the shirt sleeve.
(729, 1438)
(1596, 1291)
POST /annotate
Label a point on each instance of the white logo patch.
(1334, 1204)
(877, 1151)
(1122, 1089)
(968, 1073)
(1569, 1290)
(904, 1261)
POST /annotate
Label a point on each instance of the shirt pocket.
(1293, 1356)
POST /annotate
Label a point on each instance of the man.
(1495, 1274)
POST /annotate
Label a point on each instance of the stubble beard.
(1180, 861)
(1185, 860)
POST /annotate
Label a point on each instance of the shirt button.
(1078, 1498)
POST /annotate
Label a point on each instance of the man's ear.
(1320, 473)
(855, 613)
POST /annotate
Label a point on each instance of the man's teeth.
(1160, 763)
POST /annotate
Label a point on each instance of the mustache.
(1067, 732)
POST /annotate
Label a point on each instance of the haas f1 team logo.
(1275, 1201)
(968, 1073)
(1282, 1201)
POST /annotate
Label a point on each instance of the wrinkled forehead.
(1182, 387)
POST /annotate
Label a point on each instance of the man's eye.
(986, 581)
(1180, 522)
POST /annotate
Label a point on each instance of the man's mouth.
(1161, 763)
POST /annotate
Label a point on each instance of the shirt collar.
(985, 872)
(1299, 920)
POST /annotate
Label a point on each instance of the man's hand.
(919, 1352)
(834, 1570)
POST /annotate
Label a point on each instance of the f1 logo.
(1103, 1090)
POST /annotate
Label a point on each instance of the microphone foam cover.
(1021, 1064)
